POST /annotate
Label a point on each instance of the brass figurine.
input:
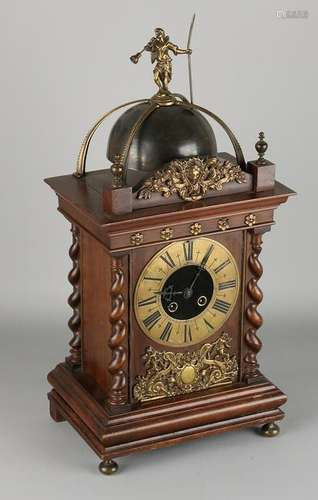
(159, 46)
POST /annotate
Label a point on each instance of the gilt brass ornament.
(160, 47)
(223, 224)
(196, 228)
(170, 374)
(190, 179)
(137, 239)
(250, 220)
(166, 233)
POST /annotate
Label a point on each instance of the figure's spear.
(189, 59)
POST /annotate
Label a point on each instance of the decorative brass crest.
(169, 374)
(191, 178)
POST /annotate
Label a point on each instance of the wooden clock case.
(93, 387)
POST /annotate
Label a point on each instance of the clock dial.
(186, 292)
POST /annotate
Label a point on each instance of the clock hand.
(188, 291)
(195, 278)
(168, 292)
(165, 292)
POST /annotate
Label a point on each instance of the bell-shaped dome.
(167, 133)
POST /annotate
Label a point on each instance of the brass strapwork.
(261, 148)
(160, 47)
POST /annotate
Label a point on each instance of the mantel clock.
(165, 251)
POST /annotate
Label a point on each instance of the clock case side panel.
(233, 240)
(99, 347)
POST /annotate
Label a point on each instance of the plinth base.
(113, 433)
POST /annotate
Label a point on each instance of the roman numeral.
(207, 255)
(221, 306)
(152, 320)
(150, 278)
(187, 333)
(208, 324)
(168, 259)
(166, 332)
(147, 302)
(222, 266)
(227, 284)
(188, 250)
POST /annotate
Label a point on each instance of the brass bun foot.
(270, 430)
(108, 467)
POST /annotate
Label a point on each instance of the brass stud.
(166, 233)
(196, 228)
(137, 239)
(250, 220)
(223, 224)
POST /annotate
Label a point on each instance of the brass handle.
(81, 160)
(82, 156)
(237, 148)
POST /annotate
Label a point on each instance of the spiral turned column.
(253, 317)
(118, 388)
(74, 300)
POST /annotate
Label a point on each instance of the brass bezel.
(212, 300)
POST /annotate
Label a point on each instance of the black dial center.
(187, 292)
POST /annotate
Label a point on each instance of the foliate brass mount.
(190, 179)
(166, 233)
(250, 220)
(169, 374)
(196, 228)
(137, 239)
(223, 224)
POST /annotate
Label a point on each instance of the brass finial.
(159, 47)
(261, 148)
(117, 171)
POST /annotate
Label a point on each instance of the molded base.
(161, 423)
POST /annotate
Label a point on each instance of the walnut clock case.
(165, 251)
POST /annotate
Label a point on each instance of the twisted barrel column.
(117, 368)
(74, 300)
(253, 318)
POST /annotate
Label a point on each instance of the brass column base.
(270, 430)
(108, 467)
